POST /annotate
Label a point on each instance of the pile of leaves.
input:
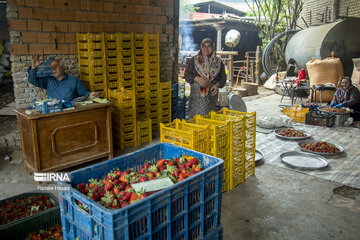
(11, 210)
(54, 233)
(115, 190)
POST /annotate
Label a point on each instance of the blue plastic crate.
(45, 108)
(190, 209)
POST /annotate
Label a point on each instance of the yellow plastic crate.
(153, 87)
(128, 84)
(93, 70)
(122, 98)
(112, 69)
(110, 45)
(153, 52)
(139, 52)
(153, 73)
(165, 119)
(140, 74)
(154, 80)
(127, 76)
(126, 68)
(143, 127)
(144, 139)
(140, 81)
(139, 36)
(111, 36)
(112, 76)
(97, 54)
(126, 45)
(126, 53)
(187, 135)
(92, 79)
(153, 66)
(125, 60)
(82, 37)
(139, 66)
(97, 37)
(112, 53)
(139, 59)
(297, 113)
(113, 85)
(126, 37)
(139, 44)
(153, 59)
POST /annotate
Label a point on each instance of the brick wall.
(48, 27)
(318, 12)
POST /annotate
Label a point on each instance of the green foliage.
(186, 8)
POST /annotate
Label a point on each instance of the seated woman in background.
(205, 72)
(347, 95)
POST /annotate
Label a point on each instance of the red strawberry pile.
(335, 110)
(54, 233)
(115, 191)
(288, 132)
(321, 147)
(11, 210)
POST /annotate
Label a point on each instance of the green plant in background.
(186, 8)
(274, 17)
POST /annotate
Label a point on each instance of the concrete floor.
(276, 203)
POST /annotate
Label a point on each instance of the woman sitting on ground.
(347, 95)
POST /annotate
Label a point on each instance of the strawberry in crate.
(14, 209)
(119, 189)
(53, 233)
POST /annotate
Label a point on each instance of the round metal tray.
(258, 156)
(308, 135)
(303, 161)
(320, 153)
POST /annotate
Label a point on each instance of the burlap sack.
(324, 71)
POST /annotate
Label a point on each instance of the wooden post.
(257, 65)
(231, 70)
(252, 71)
(247, 67)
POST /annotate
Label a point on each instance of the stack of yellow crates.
(144, 132)
(123, 115)
(165, 102)
(152, 69)
(219, 141)
(126, 61)
(142, 104)
(92, 62)
(112, 61)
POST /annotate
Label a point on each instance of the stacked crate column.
(112, 60)
(144, 132)
(126, 61)
(152, 67)
(92, 63)
(165, 102)
(123, 116)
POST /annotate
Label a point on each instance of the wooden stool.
(320, 88)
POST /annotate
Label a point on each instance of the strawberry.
(108, 186)
(176, 173)
(124, 204)
(102, 193)
(142, 179)
(160, 162)
(96, 188)
(192, 172)
(143, 195)
(117, 191)
(146, 165)
(81, 185)
(116, 182)
(184, 175)
(134, 198)
(150, 175)
(170, 163)
(127, 197)
(115, 204)
(95, 197)
(141, 171)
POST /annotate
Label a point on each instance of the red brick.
(97, 27)
(32, 3)
(40, 13)
(70, 38)
(119, 7)
(85, 27)
(85, 5)
(11, 2)
(20, 2)
(81, 16)
(157, 28)
(46, 4)
(162, 19)
(128, 8)
(97, 6)
(108, 7)
(121, 27)
(74, 4)
(60, 37)
(54, 14)
(114, 17)
(63, 49)
(61, 4)
(169, 28)
(74, 27)
(17, 24)
(34, 25)
(29, 37)
(140, 9)
(72, 48)
(68, 15)
(163, 38)
(103, 17)
(134, 18)
(165, 3)
(60, 49)
(110, 27)
(60, 26)
(148, 28)
(143, 2)
(19, 49)
(48, 26)
(36, 49)
(25, 12)
(44, 38)
(155, 10)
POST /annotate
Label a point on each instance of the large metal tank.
(342, 37)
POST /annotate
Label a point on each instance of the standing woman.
(206, 74)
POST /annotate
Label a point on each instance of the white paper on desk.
(153, 185)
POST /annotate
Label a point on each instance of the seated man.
(60, 86)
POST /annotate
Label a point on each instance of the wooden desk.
(55, 141)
